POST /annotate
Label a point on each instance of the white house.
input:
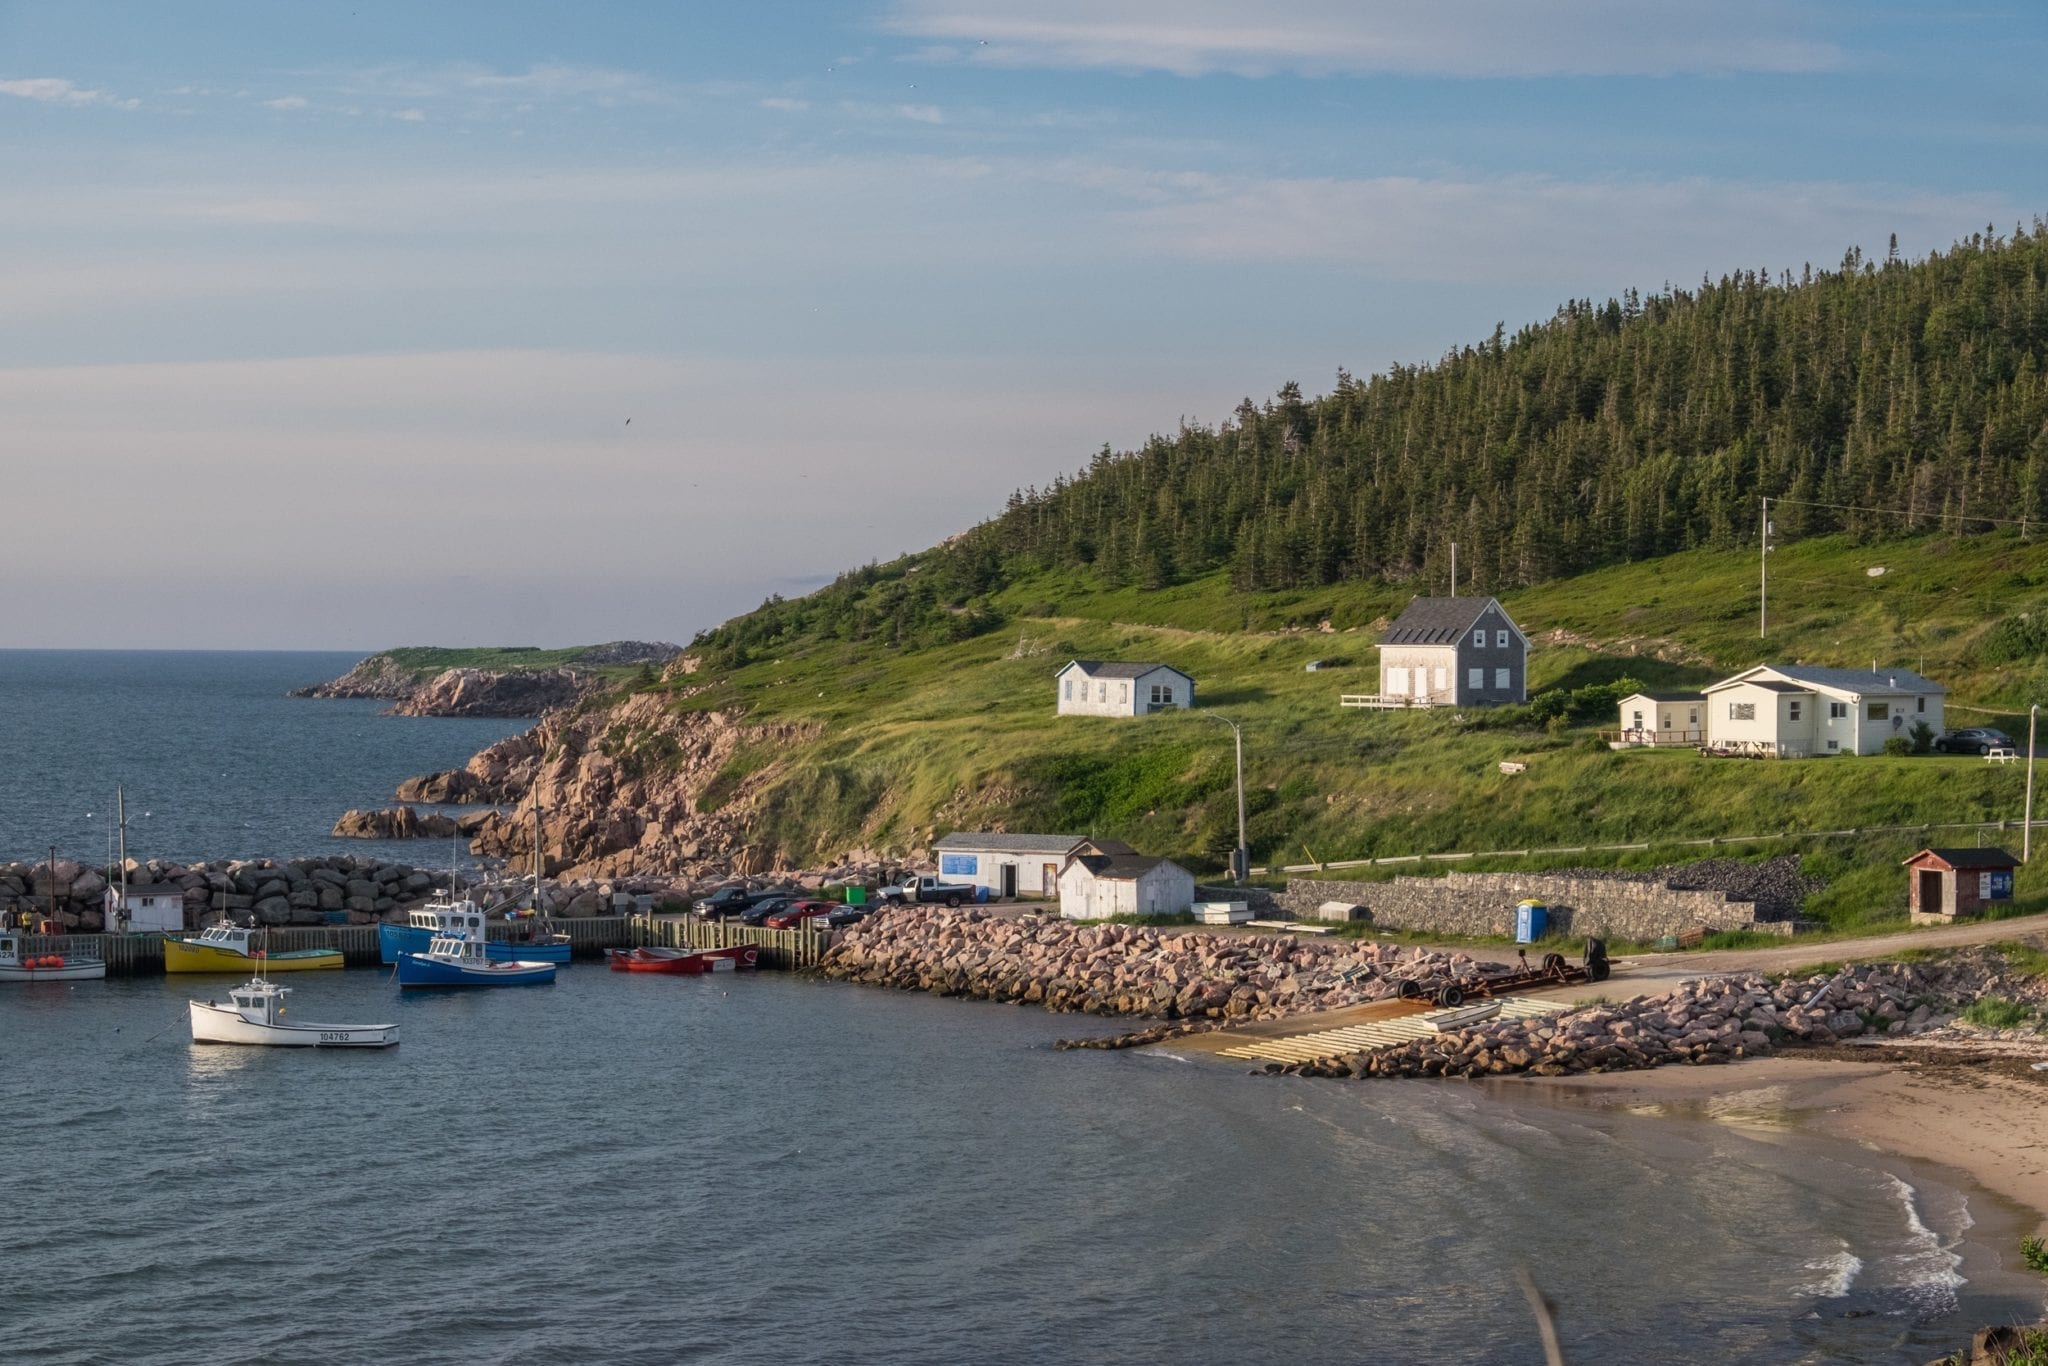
(1096, 886)
(152, 907)
(1797, 710)
(1650, 719)
(1463, 652)
(1014, 865)
(1093, 687)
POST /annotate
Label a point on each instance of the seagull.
(629, 422)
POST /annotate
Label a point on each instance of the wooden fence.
(797, 948)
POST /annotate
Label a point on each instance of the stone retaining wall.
(1484, 903)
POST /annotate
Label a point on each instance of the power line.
(1903, 512)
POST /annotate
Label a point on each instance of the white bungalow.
(1093, 687)
(1797, 710)
(1014, 865)
(1096, 886)
(1650, 719)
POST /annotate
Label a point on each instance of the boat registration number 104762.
(334, 1036)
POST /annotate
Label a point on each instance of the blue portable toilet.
(1530, 919)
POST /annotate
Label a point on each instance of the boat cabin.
(459, 919)
(258, 1001)
(465, 950)
(226, 935)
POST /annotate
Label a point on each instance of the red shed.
(1952, 884)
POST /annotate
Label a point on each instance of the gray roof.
(1861, 680)
(1669, 696)
(1772, 685)
(1969, 858)
(997, 842)
(152, 889)
(1119, 867)
(1437, 621)
(1097, 668)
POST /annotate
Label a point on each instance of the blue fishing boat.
(460, 961)
(457, 919)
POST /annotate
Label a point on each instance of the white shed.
(1096, 886)
(1014, 865)
(1094, 687)
(152, 908)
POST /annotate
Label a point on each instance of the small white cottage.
(1093, 687)
(151, 908)
(1650, 719)
(1096, 886)
(1794, 711)
(1014, 865)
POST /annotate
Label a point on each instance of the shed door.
(1009, 879)
(1930, 892)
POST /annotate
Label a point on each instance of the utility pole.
(2027, 822)
(121, 815)
(1454, 570)
(52, 866)
(1763, 570)
(1240, 857)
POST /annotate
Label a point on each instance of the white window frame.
(1500, 680)
(1742, 711)
(1070, 689)
(1692, 716)
(1479, 636)
(1101, 690)
(1838, 711)
(1443, 678)
(1500, 640)
(1123, 692)
(1397, 680)
(1476, 678)
(1792, 709)
(1877, 711)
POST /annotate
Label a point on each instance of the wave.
(1835, 1274)
(1929, 1270)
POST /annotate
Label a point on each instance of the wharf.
(143, 954)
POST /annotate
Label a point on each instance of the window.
(1639, 720)
(1397, 682)
(1102, 692)
(1742, 711)
(1834, 744)
(1921, 704)
(1123, 692)
(1500, 679)
(1792, 710)
(1880, 711)
(1837, 710)
(1443, 679)
(1692, 716)
(1476, 679)
(1479, 637)
(1070, 690)
(1500, 640)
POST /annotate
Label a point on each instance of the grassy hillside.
(424, 661)
(964, 734)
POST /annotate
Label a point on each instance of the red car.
(797, 912)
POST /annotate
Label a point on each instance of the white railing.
(1382, 701)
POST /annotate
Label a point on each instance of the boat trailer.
(1554, 972)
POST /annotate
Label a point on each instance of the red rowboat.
(684, 960)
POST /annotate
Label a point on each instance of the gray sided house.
(1094, 687)
(1454, 652)
(1014, 865)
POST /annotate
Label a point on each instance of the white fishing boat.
(45, 967)
(255, 1013)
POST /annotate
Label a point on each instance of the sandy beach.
(1984, 1115)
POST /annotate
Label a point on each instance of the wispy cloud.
(549, 82)
(783, 105)
(410, 115)
(56, 90)
(1330, 37)
(921, 113)
(286, 102)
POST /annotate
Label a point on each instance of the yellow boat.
(227, 948)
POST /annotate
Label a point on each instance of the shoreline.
(1984, 1124)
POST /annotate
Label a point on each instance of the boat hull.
(393, 940)
(419, 970)
(185, 955)
(222, 1024)
(72, 970)
(684, 963)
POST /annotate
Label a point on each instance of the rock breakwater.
(269, 891)
(1713, 1020)
(1145, 970)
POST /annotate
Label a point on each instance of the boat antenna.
(538, 863)
(121, 818)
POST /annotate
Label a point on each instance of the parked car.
(758, 913)
(797, 912)
(1972, 740)
(730, 901)
(847, 915)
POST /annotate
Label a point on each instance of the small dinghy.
(684, 961)
(255, 1012)
(45, 967)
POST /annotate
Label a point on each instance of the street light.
(2027, 823)
(1240, 857)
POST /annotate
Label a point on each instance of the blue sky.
(325, 320)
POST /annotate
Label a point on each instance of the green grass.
(2035, 1253)
(424, 661)
(912, 744)
(1995, 1012)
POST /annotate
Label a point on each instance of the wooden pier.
(143, 954)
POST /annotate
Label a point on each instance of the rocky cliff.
(622, 790)
(498, 692)
(441, 682)
(378, 676)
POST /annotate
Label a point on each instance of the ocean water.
(217, 762)
(769, 1169)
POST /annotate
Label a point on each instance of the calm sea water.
(765, 1169)
(216, 760)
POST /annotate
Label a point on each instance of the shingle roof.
(1436, 621)
(998, 842)
(1098, 668)
(1969, 858)
(153, 889)
(1119, 867)
(1861, 680)
(1773, 685)
(1669, 696)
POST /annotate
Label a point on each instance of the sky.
(345, 324)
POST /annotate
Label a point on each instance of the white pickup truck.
(930, 889)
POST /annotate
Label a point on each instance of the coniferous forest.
(1878, 398)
